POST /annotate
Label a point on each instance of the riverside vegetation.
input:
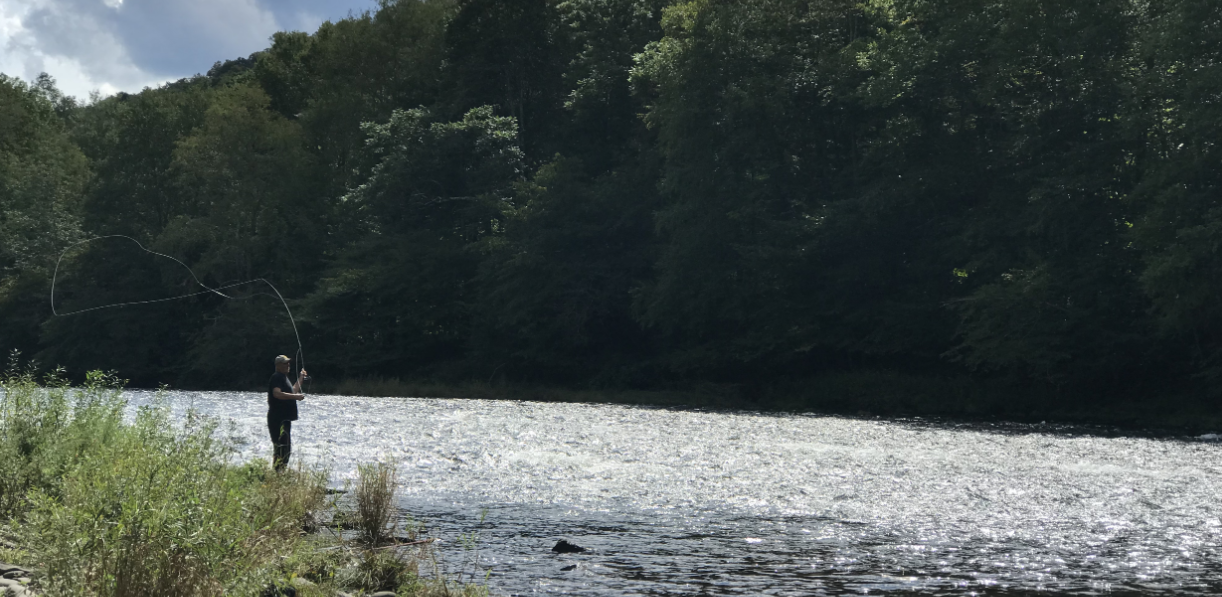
(103, 505)
(984, 207)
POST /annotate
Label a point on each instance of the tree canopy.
(635, 193)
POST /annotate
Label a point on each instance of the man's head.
(283, 363)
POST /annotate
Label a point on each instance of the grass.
(103, 504)
(375, 499)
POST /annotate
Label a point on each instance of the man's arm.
(297, 386)
(279, 394)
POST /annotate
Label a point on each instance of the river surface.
(690, 502)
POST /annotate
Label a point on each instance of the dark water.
(676, 502)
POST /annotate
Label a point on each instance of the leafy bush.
(146, 507)
(111, 505)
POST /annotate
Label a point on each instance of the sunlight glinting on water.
(684, 502)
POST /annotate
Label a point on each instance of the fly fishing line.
(206, 290)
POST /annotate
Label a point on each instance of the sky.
(126, 45)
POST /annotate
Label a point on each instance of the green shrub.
(383, 570)
(151, 505)
(153, 508)
(375, 502)
(44, 430)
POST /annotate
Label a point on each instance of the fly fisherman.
(282, 398)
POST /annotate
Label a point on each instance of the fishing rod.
(206, 290)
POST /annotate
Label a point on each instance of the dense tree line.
(634, 193)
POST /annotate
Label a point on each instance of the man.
(282, 398)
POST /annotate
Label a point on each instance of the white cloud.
(88, 57)
(184, 37)
(126, 45)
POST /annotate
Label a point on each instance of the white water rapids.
(687, 502)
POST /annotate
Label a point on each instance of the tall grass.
(109, 505)
(375, 501)
(150, 506)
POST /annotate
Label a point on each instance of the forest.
(1020, 195)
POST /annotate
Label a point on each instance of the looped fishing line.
(206, 290)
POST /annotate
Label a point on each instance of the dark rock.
(301, 583)
(310, 524)
(566, 547)
(12, 588)
(275, 591)
(569, 567)
(6, 569)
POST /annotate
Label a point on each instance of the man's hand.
(297, 386)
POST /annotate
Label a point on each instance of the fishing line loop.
(206, 290)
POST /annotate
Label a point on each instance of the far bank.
(862, 393)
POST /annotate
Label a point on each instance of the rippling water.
(680, 502)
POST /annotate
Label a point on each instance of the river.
(692, 502)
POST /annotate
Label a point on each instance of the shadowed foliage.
(651, 195)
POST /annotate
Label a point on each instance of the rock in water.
(566, 547)
(10, 587)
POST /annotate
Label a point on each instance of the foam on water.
(684, 502)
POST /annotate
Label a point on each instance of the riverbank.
(97, 503)
(870, 393)
(675, 501)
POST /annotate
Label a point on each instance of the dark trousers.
(282, 441)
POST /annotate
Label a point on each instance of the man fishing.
(282, 398)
